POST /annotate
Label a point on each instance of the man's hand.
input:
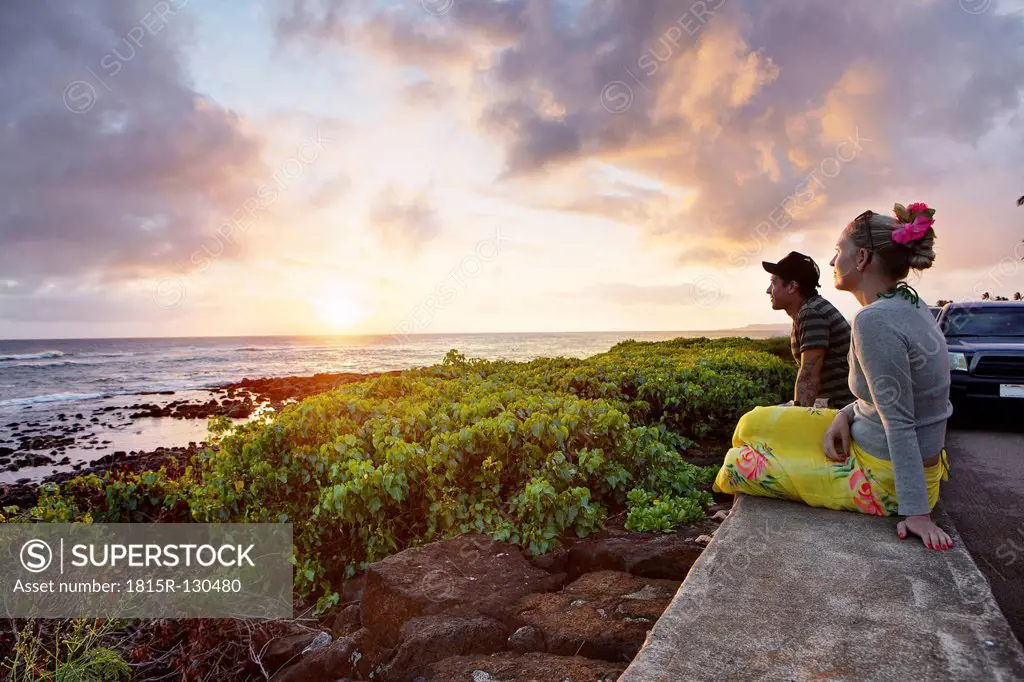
(837, 439)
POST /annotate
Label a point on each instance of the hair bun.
(922, 253)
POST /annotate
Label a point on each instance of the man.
(820, 339)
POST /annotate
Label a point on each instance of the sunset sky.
(191, 167)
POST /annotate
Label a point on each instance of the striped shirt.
(820, 325)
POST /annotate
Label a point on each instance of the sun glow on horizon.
(338, 310)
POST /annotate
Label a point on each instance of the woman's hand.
(931, 535)
(837, 439)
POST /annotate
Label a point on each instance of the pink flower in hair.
(919, 207)
(910, 232)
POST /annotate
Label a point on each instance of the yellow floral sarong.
(777, 452)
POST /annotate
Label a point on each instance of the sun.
(338, 310)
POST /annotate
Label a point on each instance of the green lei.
(905, 290)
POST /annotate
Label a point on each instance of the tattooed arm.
(808, 379)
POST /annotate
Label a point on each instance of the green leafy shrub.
(528, 452)
(524, 452)
(649, 511)
(116, 497)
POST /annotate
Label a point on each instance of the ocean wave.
(126, 354)
(48, 365)
(176, 386)
(36, 364)
(260, 349)
(43, 355)
(52, 398)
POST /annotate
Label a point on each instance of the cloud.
(699, 294)
(426, 94)
(406, 33)
(130, 170)
(404, 221)
(71, 304)
(743, 104)
(330, 191)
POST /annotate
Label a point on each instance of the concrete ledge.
(790, 592)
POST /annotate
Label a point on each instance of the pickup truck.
(986, 353)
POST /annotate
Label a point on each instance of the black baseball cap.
(796, 267)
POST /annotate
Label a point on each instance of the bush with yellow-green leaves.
(526, 452)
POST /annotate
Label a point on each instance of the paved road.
(985, 498)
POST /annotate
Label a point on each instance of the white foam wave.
(42, 355)
(52, 398)
(47, 365)
(108, 355)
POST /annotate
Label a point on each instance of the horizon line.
(765, 326)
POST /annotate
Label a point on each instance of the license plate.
(1011, 390)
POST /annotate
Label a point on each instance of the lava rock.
(526, 639)
(666, 556)
(346, 621)
(432, 638)
(357, 655)
(469, 574)
(604, 615)
(536, 667)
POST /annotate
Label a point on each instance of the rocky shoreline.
(475, 609)
(466, 609)
(32, 443)
(469, 608)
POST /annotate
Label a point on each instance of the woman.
(882, 454)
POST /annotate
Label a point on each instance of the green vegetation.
(79, 652)
(524, 452)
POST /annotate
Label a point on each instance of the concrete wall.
(790, 592)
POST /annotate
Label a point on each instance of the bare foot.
(922, 526)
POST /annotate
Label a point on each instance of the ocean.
(46, 382)
(73, 371)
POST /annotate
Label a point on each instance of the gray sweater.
(899, 372)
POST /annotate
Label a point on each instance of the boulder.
(467, 575)
(239, 411)
(321, 640)
(649, 555)
(346, 621)
(352, 589)
(527, 639)
(284, 650)
(604, 615)
(432, 638)
(359, 655)
(556, 561)
(533, 667)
